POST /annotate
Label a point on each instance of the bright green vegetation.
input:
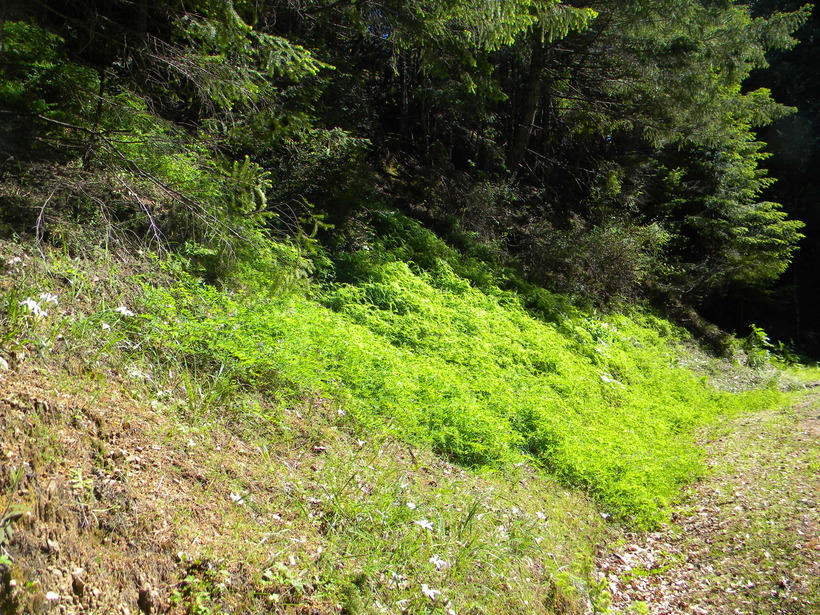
(348, 395)
(465, 228)
(600, 401)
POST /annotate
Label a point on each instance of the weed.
(10, 513)
(600, 402)
(756, 346)
(346, 391)
(200, 590)
(83, 486)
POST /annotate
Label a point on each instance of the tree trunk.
(529, 104)
(88, 156)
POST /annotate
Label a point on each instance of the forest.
(401, 306)
(613, 151)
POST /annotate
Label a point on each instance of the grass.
(419, 433)
(303, 515)
(601, 402)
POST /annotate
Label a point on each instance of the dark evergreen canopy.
(611, 147)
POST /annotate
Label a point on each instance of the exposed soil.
(119, 502)
(746, 539)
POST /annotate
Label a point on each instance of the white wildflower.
(429, 592)
(105, 326)
(424, 523)
(49, 298)
(124, 311)
(34, 308)
(439, 563)
(541, 515)
(395, 578)
(237, 498)
(411, 506)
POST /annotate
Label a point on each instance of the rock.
(77, 583)
(52, 596)
(4, 365)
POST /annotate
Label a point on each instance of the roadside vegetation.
(409, 441)
(366, 307)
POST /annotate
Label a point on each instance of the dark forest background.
(612, 151)
(791, 310)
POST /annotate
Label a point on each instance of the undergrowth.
(405, 342)
(600, 401)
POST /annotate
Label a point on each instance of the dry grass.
(134, 506)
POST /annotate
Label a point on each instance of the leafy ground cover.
(601, 402)
(410, 440)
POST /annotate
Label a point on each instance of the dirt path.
(746, 539)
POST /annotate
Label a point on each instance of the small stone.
(4, 365)
(77, 584)
(52, 596)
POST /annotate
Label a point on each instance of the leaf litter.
(743, 540)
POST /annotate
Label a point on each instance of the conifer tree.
(618, 127)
